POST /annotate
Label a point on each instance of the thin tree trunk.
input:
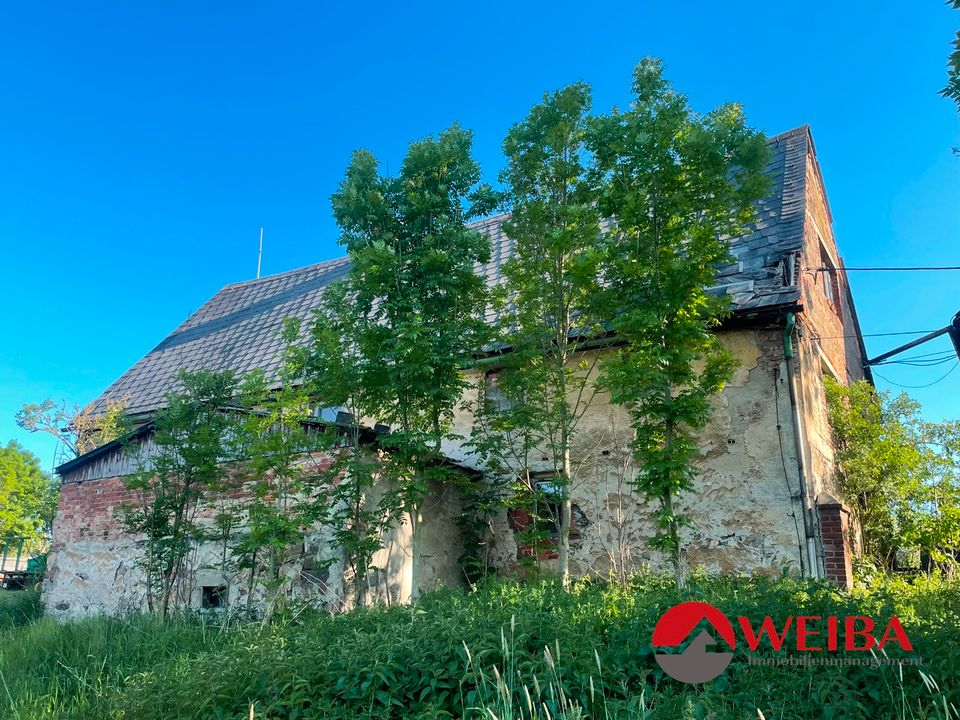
(674, 535)
(673, 531)
(415, 520)
(566, 516)
(250, 586)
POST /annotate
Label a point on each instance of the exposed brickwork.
(519, 520)
(95, 565)
(835, 528)
(87, 510)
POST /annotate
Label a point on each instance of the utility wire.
(919, 387)
(940, 353)
(889, 269)
(918, 363)
(883, 334)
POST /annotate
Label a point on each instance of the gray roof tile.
(239, 327)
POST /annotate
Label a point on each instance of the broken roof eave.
(367, 435)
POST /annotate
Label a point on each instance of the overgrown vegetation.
(459, 654)
(677, 184)
(18, 608)
(418, 304)
(28, 497)
(673, 185)
(899, 473)
(618, 224)
(191, 435)
(530, 403)
(78, 429)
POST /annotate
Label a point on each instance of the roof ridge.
(324, 263)
(805, 128)
(238, 328)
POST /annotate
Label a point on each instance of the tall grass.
(505, 652)
(19, 607)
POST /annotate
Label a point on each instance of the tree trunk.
(673, 531)
(566, 517)
(415, 520)
(674, 535)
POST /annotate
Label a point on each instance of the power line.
(883, 334)
(920, 387)
(918, 363)
(890, 269)
(940, 353)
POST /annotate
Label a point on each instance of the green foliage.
(331, 365)
(412, 661)
(416, 300)
(285, 467)
(19, 608)
(192, 435)
(677, 184)
(530, 405)
(952, 89)
(28, 496)
(79, 429)
(899, 473)
(412, 280)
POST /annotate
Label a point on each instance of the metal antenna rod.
(260, 254)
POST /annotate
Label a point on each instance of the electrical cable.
(920, 387)
(891, 269)
(783, 461)
(883, 334)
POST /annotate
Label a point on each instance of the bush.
(412, 662)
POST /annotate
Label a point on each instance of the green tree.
(28, 496)
(79, 429)
(331, 367)
(419, 302)
(547, 311)
(286, 471)
(192, 437)
(675, 184)
(897, 471)
(952, 89)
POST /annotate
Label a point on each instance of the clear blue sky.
(143, 145)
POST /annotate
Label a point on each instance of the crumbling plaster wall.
(93, 563)
(745, 505)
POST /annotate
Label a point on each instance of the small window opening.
(551, 495)
(831, 280)
(214, 596)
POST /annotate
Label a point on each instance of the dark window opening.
(544, 516)
(214, 596)
(831, 280)
(550, 498)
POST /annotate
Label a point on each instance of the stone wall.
(745, 505)
(93, 563)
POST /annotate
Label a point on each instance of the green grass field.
(478, 655)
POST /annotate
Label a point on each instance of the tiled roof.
(239, 327)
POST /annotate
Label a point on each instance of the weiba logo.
(707, 627)
(696, 664)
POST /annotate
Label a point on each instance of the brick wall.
(835, 529)
(94, 564)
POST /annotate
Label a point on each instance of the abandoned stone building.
(764, 494)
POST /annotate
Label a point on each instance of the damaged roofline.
(740, 319)
(367, 435)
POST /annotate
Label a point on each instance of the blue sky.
(143, 145)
